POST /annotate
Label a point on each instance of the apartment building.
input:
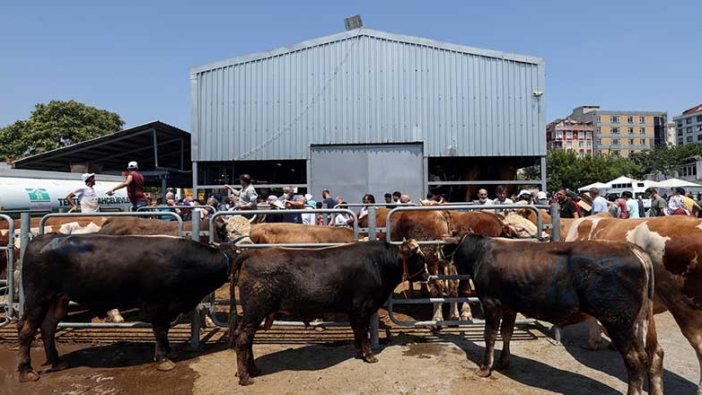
(570, 135)
(623, 132)
(688, 126)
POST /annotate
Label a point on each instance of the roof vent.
(353, 22)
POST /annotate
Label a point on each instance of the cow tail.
(233, 315)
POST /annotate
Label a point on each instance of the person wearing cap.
(135, 186)
(541, 198)
(248, 198)
(525, 196)
(599, 204)
(87, 196)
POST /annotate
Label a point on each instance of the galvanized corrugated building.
(365, 87)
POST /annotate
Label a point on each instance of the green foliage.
(566, 169)
(665, 160)
(55, 125)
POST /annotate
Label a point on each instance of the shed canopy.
(594, 185)
(675, 183)
(160, 149)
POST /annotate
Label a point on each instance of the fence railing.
(7, 286)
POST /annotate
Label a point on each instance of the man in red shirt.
(135, 187)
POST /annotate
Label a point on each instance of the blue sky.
(133, 57)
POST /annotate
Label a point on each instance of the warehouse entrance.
(354, 170)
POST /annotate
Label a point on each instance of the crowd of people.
(572, 205)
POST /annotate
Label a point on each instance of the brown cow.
(122, 226)
(565, 223)
(675, 247)
(286, 233)
(434, 225)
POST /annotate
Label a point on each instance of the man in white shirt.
(501, 193)
(632, 206)
(86, 195)
(599, 204)
(483, 198)
(248, 198)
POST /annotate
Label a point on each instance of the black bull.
(564, 283)
(355, 279)
(163, 276)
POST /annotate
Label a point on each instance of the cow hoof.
(370, 359)
(483, 372)
(166, 365)
(25, 377)
(466, 317)
(245, 381)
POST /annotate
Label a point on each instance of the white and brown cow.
(675, 246)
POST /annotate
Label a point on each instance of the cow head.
(414, 267)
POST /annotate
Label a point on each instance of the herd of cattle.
(618, 272)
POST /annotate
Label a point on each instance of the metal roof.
(156, 146)
(370, 33)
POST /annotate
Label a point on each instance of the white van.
(637, 188)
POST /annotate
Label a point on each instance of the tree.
(664, 160)
(566, 169)
(55, 125)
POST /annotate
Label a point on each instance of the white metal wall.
(364, 87)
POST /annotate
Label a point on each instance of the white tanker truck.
(22, 190)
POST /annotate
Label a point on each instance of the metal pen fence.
(413, 301)
(212, 235)
(42, 224)
(7, 286)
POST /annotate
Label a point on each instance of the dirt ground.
(312, 361)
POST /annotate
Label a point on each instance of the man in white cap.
(86, 195)
(525, 196)
(135, 187)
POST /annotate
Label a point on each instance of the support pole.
(24, 240)
(374, 322)
(195, 322)
(555, 212)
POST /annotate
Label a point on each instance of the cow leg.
(689, 320)
(243, 344)
(631, 346)
(438, 314)
(360, 330)
(26, 330)
(655, 358)
(466, 312)
(594, 338)
(492, 324)
(160, 328)
(57, 312)
(506, 330)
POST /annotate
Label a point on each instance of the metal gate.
(462, 207)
